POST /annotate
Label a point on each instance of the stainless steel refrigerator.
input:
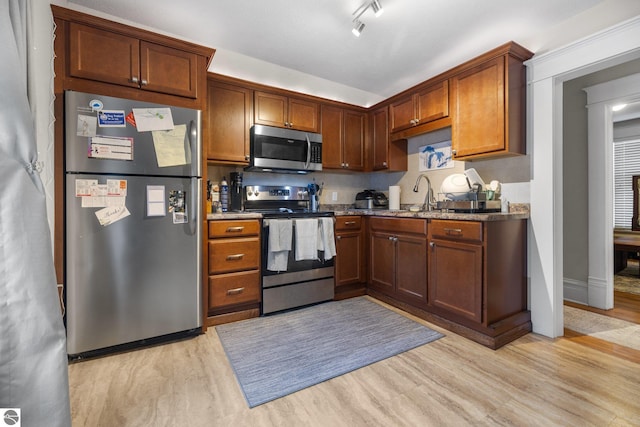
(132, 221)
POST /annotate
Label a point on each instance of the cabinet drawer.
(233, 228)
(234, 288)
(463, 230)
(227, 255)
(348, 222)
(399, 225)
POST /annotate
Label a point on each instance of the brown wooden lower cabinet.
(351, 257)
(476, 284)
(398, 258)
(234, 270)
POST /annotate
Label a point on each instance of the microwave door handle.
(308, 162)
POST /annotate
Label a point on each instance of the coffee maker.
(235, 192)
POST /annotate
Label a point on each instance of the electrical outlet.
(334, 196)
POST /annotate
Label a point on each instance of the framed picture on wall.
(435, 156)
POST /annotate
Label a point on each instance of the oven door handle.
(308, 162)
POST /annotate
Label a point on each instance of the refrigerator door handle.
(193, 138)
(195, 207)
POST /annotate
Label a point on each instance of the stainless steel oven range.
(295, 272)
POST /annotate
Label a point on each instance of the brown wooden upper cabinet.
(228, 122)
(111, 57)
(385, 154)
(271, 109)
(342, 138)
(488, 103)
(424, 106)
(380, 138)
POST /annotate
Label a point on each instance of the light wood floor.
(534, 381)
(626, 307)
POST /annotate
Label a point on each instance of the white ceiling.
(308, 46)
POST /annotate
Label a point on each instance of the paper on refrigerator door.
(155, 200)
(103, 147)
(109, 215)
(170, 147)
(148, 119)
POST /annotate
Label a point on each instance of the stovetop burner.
(279, 201)
(294, 214)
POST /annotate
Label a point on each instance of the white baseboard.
(576, 291)
(598, 295)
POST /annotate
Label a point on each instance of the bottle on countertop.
(209, 199)
(224, 194)
(215, 198)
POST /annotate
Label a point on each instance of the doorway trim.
(545, 76)
(600, 100)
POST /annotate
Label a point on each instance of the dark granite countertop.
(517, 211)
(490, 216)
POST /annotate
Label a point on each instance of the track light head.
(358, 26)
(377, 7)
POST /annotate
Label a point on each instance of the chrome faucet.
(429, 200)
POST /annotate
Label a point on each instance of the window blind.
(626, 163)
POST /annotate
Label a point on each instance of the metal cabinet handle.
(234, 257)
(235, 229)
(453, 231)
(384, 164)
(454, 152)
(134, 79)
(144, 82)
(338, 237)
(432, 244)
(349, 223)
(235, 291)
(346, 165)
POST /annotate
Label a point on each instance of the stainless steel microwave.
(284, 150)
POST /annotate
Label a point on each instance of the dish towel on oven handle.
(279, 245)
(306, 239)
(326, 240)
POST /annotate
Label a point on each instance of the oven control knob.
(256, 192)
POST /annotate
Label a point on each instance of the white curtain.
(33, 361)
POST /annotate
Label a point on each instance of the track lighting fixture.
(377, 7)
(358, 25)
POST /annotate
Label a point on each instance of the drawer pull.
(235, 291)
(349, 223)
(234, 257)
(453, 231)
(235, 229)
